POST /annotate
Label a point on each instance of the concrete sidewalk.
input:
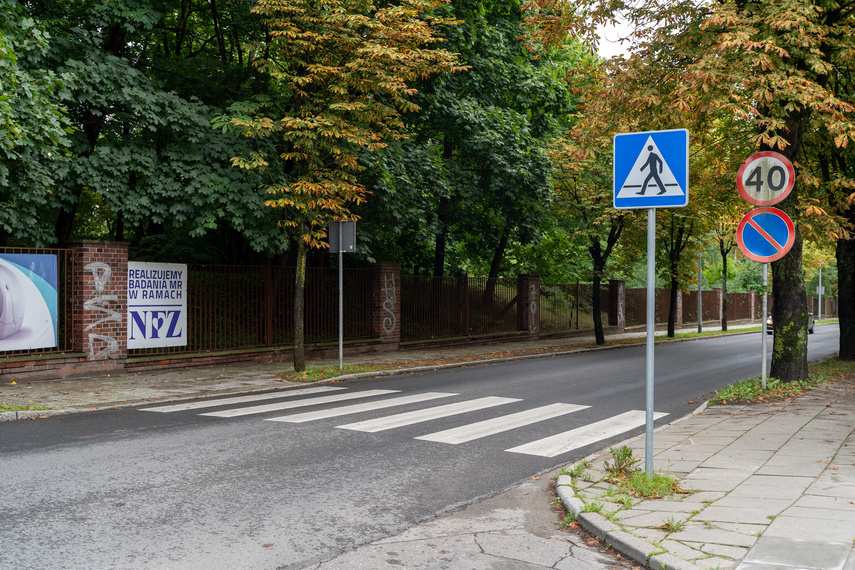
(773, 485)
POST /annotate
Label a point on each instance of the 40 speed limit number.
(765, 178)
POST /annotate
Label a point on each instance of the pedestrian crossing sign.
(651, 169)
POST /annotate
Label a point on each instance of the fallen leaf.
(536, 478)
(266, 545)
(12, 383)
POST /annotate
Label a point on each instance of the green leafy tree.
(482, 184)
(143, 80)
(341, 74)
(33, 128)
(768, 64)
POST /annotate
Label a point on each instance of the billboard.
(29, 302)
(157, 304)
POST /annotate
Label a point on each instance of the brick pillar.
(386, 305)
(528, 304)
(617, 304)
(100, 306)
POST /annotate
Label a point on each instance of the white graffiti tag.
(390, 295)
(532, 290)
(101, 273)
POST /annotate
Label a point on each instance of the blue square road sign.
(651, 169)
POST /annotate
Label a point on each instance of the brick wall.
(386, 305)
(528, 304)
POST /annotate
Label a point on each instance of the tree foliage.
(33, 127)
(341, 74)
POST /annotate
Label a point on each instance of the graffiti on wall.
(533, 295)
(102, 303)
(390, 295)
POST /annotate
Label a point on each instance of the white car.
(811, 323)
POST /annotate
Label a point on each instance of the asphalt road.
(142, 489)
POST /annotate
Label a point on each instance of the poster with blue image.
(29, 301)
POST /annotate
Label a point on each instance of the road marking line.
(238, 399)
(493, 426)
(356, 408)
(418, 416)
(278, 406)
(585, 435)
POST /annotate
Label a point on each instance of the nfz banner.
(29, 303)
(157, 304)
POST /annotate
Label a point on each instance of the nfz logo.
(156, 324)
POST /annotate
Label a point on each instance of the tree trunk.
(600, 257)
(789, 301)
(672, 305)
(846, 294)
(493, 277)
(789, 316)
(441, 235)
(599, 333)
(300, 305)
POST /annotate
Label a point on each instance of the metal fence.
(244, 307)
(570, 306)
(636, 306)
(65, 297)
(446, 307)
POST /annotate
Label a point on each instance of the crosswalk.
(378, 399)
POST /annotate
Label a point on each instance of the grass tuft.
(751, 391)
(4, 407)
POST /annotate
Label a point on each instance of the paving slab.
(811, 529)
(777, 552)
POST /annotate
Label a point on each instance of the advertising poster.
(29, 302)
(157, 304)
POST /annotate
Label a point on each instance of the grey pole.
(340, 299)
(700, 303)
(819, 292)
(651, 324)
(763, 342)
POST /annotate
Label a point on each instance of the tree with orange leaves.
(341, 71)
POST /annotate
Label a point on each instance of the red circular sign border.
(775, 211)
(756, 156)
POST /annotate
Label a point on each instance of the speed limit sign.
(766, 178)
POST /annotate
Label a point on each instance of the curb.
(33, 414)
(611, 534)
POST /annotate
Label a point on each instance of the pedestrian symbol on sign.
(655, 163)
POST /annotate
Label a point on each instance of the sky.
(609, 46)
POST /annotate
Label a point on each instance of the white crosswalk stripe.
(586, 435)
(278, 406)
(418, 416)
(551, 446)
(364, 407)
(501, 424)
(212, 403)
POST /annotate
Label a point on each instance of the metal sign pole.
(763, 329)
(819, 292)
(651, 323)
(340, 299)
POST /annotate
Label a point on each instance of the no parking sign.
(765, 234)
